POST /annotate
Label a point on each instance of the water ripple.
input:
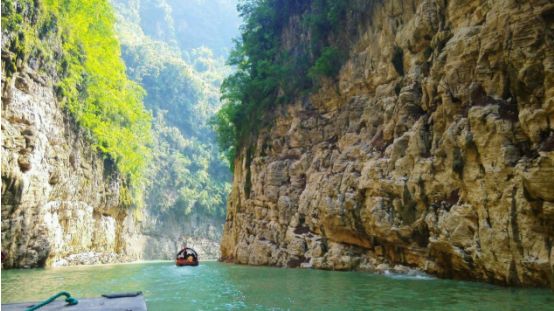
(218, 286)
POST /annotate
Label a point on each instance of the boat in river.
(187, 257)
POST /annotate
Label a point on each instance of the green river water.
(219, 286)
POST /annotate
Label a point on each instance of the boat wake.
(408, 276)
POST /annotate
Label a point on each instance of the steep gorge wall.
(434, 149)
(60, 199)
(62, 202)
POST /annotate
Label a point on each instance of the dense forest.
(181, 73)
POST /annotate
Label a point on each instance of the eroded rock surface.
(60, 199)
(434, 149)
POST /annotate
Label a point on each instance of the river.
(219, 286)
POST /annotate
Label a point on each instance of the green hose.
(70, 300)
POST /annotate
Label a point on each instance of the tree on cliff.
(76, 40)
(266, 73)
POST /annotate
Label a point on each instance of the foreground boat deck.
(87, 304)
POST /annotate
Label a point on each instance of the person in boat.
(187, 253)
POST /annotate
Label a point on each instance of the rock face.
(61, 202)
(433, 149)
(60, 199)
(162, 236)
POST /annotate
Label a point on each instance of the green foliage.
(328, 64)
(15, 18)
(96, 88)
(226, 131)
(75, 40)
(12, 17)
(168, 82)
(188, 176)
(266, 73)
(324, 18)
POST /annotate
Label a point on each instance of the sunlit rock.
(432, 150)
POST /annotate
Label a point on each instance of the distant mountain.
(176, 50)
(187, 25)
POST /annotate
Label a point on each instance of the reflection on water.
(218, 286)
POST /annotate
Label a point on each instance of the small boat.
(187, 257)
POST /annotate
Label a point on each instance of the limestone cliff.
(434, 149)
(60, 199)
(62, 203)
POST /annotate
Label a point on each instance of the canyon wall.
(61, 202)
(433, 148)
(162, 236)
